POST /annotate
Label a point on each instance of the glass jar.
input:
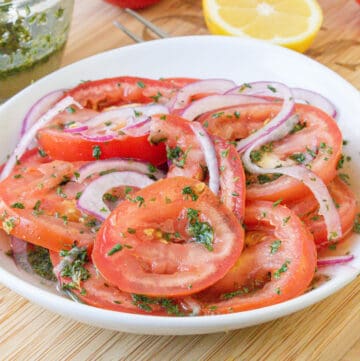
(33, 34)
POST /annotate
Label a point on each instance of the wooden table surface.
(329, 330)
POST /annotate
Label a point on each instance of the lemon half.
(290, 23)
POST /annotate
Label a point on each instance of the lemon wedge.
(290, 23)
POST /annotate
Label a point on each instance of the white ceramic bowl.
(204, 57)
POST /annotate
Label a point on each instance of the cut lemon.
(290, 23)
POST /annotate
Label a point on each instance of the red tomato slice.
(35, 207)
(278, 263)
(307, 210)
(95, 291)
(177, 239)
(232, 177)
(183, 149)
(100, 94)
(317, 136)
(72, 147)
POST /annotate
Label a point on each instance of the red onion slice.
(218, 86)
(76, 129)
(285, 112)
(315, 99)
(100, 166)
(91, 199)
(125, 113)
(208, 149)
(20, 254)
(271, 89)
(213, 102)
(30, 134)
(40, 108)
(328, 261)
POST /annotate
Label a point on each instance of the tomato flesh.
(278, 263)
(159, 255)
(36, 208)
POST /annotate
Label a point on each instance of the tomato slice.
(277, 264)
(72, 147)
(96, 291)
(307, 210)
(232, 177)
(37, 206)
(184, 152)
(177, 239)
(100, 94)
(316, 141)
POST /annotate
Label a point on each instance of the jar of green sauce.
(33, 34)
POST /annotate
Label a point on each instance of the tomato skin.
(307, 210)
(152, 266)
(297, 251)
(232, 177)
(103, 93)
(39, 183)
(72, 147)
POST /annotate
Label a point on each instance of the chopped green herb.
(274, 247)
(202, 232)
(140, 84)
(217, 115)
(271, 88)
(225, 152)
(299, 126)
(131, 230)
(96, 152)
(60, 192)
(17, 176)
(18, 205)
(276, 203)
(282, 269)
(78, 195)
(156, 97)
(71, 110)
(229, 295)
(110, 197)
(118, 247)
(237, 114)
(345, 178)
(42, 153)
(298, 157)
(188, 191)
(278, 291)
(40, 262)
(356, 227)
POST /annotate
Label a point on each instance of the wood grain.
(329, 330)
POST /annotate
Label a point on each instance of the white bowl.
(242, 60)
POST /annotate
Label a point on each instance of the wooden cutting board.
(329, 330)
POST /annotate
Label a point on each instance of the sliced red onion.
(40, 108)
(328, 261)
(213, 102)
(272, 89)
(218, 86)
(98, 137)
(285, 112)
(124, 113)
(138, 128)
(91, 199)
(327, 207)
(315, 99)
(77, 129)
(208, 149)
(100, 166)
(20, 254)
(30, 134)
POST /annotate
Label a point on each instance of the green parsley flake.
(96, 152)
